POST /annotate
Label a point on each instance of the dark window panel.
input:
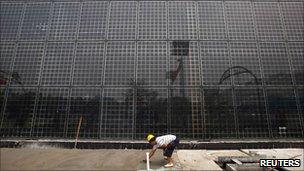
(182, 20)
(2, 99)
(57, 64)
(239, 20)
(64, 21)
(19, 111)
(293, 18)
(283, 112)
(120, 60)
(27, 64)
(300, 95)
(117, 113)
(215, 61)
(219, 113)
(275, 64)
(88, 69)
(151, 111)
(85, 103)
(51, 112)
(152, 18)
(296, 51)
(93, 20)
(211, 20)
(35, 23)
(184, 64)
(268, 21)
(6, 60)
(186, 112)
(251, 112)
(152, 63)
(10, 17)
(122, 21)
(245, 55)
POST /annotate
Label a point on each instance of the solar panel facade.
(216, 69)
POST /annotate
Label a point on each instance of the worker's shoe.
(169, 165)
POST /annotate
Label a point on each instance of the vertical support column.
(104, 70)
(203, 132)
(169, 103)
(262, 72)
(135, 91)
(230, 65)
(292, 74)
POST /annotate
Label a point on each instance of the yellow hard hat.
(149, 137)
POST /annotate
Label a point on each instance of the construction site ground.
(49, 158)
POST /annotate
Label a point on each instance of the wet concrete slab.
(126, 159)
(69, 159)
(157, 162)
(214, 154)
(196, 160)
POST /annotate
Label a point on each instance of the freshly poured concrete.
(196, 160)
(109, 159)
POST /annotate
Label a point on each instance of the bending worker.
(167, 143)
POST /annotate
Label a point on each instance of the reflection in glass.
(19, 111)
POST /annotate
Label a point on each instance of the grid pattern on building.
(197, 69)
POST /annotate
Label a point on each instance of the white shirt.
(164, 140)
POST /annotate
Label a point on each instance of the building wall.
(197, 69)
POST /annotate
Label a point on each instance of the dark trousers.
(170, 148)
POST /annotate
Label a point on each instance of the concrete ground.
(48, 158)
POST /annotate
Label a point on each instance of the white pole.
(148, 162)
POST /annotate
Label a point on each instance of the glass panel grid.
(10, 15)
(19, 111)
(57, 64)
(122, 21)
(152, 20)
(296, 52)
(118, 106)
(93, 20)
(239, 20)
(152, 63)
(85, 103)
(52, 110)
(218, 113)
(182, 20)
(137, 94)
(6, 60)
(35, 23)
(151, 111)
(211, 20)
(120, 61)
(88, 68)
(275, 64)
(251, 112)
(64, 21)
(245, 55)
(215, 61)
(184, 63)
(268, 21)
(283, 112)
(186, 112)
(2, 99)
(293, 18)
(26, 67)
